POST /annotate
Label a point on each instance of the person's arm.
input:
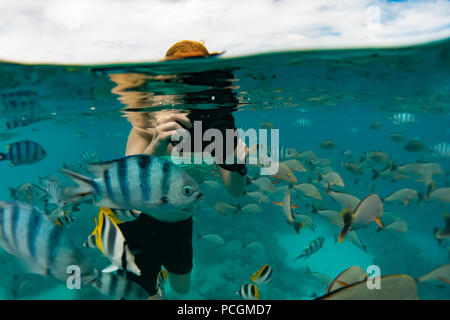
(138, 141)
(234, 181)
(142, 141)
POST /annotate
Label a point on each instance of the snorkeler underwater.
(311, 162)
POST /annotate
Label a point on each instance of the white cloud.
(77, 31)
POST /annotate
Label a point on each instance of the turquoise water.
(73, 109)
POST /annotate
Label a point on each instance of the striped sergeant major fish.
(23, 152)
(20, 122)
(303, 122)
(87, 157)
(141, 182)
(262, 276)
(117, 287)
(402, 118)
(108, 238)
(249, 291)
(28, 234)
(441, 149)
(160, 280)
(313, 247)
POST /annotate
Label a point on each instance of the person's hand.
(166, 125)
(240, 153)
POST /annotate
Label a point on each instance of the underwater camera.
(210, 119)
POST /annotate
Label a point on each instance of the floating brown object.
(353, 168)
(414, 146)
(397, 137)
(379, 157)
(328, 144)
(374, 126)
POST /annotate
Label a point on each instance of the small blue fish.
(23, 152)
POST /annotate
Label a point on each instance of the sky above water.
(89, 31)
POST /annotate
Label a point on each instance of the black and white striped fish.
(108, 238)
(313, 247)
(403, 118)
(442, 149)
(283, 153)
(23, 152)
(116, 286)
(61, 217)
(87, 157)
(28, 234)
(55, 194)
(262, 276)
(249, 291)
(142, 182)
(303, 122)
(19, 122)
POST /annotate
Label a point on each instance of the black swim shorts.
(157, 244)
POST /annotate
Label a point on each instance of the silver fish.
(139, 182)
(87, 157)
(403, 118)
(116, 286)
(23, 152)
(442, 149)
(302, 122)
(29, 235)
(313, 247)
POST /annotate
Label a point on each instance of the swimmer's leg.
(180, 283)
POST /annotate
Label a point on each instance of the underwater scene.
(358, 206)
